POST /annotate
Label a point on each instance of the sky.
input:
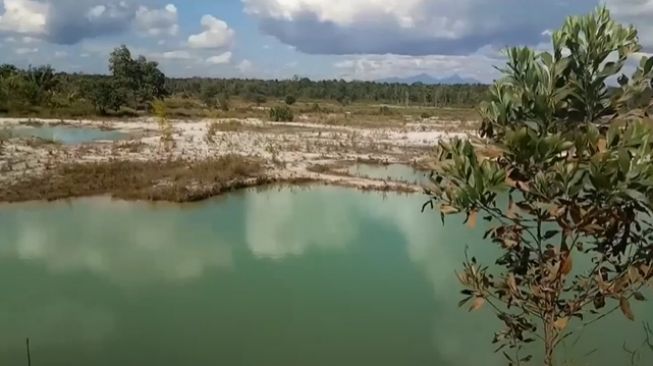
(319, 39)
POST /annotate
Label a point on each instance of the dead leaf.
(477, 304)
(472, 219)
(446, 209)
(512, 209)
(625, 308)
(512, 283)
(561, 323)
(602, 145)
(567, 264)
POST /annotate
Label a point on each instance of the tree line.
(134, 82)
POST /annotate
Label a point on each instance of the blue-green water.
(68, 135)
(395, 172)
(319, 276)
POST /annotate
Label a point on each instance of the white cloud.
(224, 58)
(245, 66)
(157, 22)
(412, 27)
(24, 16)
(216, 34)
(176, 55)
(60, 54)
(25, 50)
(65, 21)
(637, 12)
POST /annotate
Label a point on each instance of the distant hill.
(430, 80)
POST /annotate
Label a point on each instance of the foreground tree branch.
(569, 199)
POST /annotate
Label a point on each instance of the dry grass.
(174, 181)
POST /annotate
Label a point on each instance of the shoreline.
(190, 170)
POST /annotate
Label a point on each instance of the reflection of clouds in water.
(287, 223)
(126, 242)
(56, 322)
(438, 252)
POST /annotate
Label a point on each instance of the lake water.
(68, 135)
(320, 276)
(396, 172)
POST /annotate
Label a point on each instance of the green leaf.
(636, 195)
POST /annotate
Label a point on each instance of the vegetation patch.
(174, 181)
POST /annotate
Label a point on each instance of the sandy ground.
(289, 149)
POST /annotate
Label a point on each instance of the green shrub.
(386, 111)
(281, 114)
(290, 100)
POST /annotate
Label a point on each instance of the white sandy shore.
(289, 149)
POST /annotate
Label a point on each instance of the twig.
(29, 356)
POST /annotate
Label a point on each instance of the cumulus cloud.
(24, 16)
(224, 58)
(410, 27)
(157, 22)
(216, 34)
(637, 12)
(70, 21)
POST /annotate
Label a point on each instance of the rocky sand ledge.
(204, 158)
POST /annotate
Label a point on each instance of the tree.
(290, 100)
(281, 114)
(209, 95)
(142, 77)
(568, 197)
(106, 96)
(7, 70)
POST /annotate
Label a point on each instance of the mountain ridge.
(430, 80)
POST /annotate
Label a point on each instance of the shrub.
(290, 100)
(573, 183)
(281, 114)
(386, 111)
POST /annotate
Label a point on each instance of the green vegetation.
(134, 82)
(281, 114)
(569, 199)
(290, 100)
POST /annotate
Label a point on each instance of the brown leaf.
(512, 209)
(477, 304)
(561, 323)
(567, 264)
(602, 145)
(446, 209)
(512, 283)
(625, 308)
(471, 219)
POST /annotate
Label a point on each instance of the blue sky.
(351, 39)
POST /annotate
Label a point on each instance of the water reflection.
(67, 134)
(128, 243)
(313, 277)
(289, 222)
(396, 172)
